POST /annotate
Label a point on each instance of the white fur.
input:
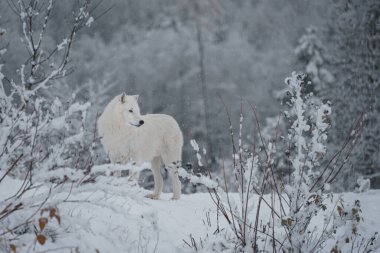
(159, 139)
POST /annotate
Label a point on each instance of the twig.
(12, 167)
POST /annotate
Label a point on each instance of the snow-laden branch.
(41, 68)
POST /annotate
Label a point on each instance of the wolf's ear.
(123, 98)
(136, 97)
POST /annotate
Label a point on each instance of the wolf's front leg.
(158, 181)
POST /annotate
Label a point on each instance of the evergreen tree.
(355, 48)
(311, 52)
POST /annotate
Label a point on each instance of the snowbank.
(112, 215)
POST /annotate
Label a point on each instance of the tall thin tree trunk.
(203, 83)
(182, 93)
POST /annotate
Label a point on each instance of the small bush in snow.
(39, 137)
(287, 212)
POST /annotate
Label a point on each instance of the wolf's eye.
(130, 110)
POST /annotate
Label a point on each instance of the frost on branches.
(291, 212)
(308, 137)
(42, 144)
(39, 142)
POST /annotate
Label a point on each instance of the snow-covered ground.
(112, 215)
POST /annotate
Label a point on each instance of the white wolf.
(128, 136)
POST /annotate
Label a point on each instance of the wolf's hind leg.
(173, 171)
(172, 160)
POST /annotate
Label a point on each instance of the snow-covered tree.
(354, 48)
(311, 53)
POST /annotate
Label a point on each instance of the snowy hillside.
(273, 154)
(112, 215)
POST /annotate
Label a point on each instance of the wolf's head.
(129, 109)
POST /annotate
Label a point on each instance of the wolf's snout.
(141, 122)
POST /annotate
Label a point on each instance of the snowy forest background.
(152, 48)
(218, 67)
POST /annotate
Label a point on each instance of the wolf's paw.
(152, 196)
(175, 198)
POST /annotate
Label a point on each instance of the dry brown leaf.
(13, 248)
(340, 210)
(42, 223)
(41, 239)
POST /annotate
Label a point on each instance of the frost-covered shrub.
(40, 138)
(292, 212)
(39, 141)
(281, 129)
